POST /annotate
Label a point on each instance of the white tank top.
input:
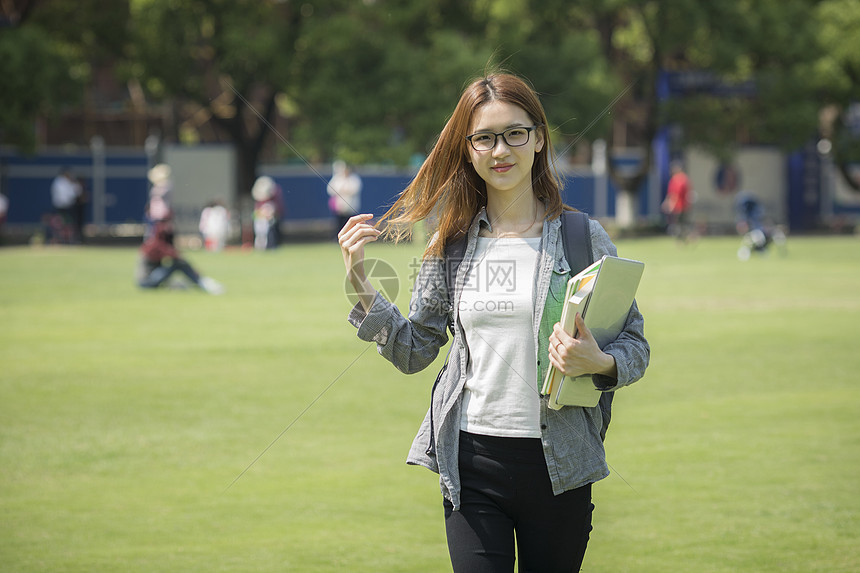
(497, 313)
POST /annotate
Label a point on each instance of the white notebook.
(604, 302)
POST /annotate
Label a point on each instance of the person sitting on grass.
(159, 259)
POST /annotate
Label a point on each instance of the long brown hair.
(448, 189)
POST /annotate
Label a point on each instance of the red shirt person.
(679, 199)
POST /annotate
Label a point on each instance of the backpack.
(576, 240)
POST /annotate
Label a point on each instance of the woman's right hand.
(356, 233)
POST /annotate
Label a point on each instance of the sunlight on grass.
(127, 414)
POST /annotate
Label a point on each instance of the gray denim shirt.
(571, 436)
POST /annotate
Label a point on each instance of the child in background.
(215, 225)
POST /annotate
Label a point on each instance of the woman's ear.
(539, 139)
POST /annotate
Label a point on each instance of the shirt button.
(543, 426)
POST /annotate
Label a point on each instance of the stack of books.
(602, 294)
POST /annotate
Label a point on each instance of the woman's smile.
(504, 167)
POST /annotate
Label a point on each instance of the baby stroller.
(756, 235)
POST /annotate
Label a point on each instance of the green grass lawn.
(125, 416)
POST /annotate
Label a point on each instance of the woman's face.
(504, 168)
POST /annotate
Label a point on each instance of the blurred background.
(758, 97)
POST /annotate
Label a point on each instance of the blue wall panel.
(26, 180)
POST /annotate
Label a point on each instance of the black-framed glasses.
(514, 137)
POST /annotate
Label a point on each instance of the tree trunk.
(248, 146)
(246, 174)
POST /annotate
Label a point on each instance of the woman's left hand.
(581, 355)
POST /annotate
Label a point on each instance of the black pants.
(506, 499)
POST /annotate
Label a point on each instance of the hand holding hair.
(356, 233)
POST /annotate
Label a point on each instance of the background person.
(515, 475)
(756, 234)
(79, 209)
(160, 259)
(344, 190)
(65, 194)
(215, 225)
(268, 211)
(4, 209)
(678, 202)
(158, 206)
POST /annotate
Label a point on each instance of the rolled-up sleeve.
(631, 350)
(409, 344)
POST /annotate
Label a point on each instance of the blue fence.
(26, 181)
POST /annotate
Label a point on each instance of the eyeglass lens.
(515, 137)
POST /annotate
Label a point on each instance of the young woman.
(515, 475)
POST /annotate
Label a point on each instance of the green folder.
(604, 303)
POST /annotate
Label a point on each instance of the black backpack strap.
(576, 238)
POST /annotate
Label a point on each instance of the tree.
(378, 81)
(47, 53)
(373, 81)
(228, 59)
(563, 62)
(37, 83)
(836, 79)
(755, 57)
(382, 79)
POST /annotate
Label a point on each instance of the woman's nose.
(501, 148)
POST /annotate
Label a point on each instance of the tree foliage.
(38, 82)
(836, 80)
(47, 55)
(374, 80)
(764, 43)
(377, 81)
(225, 58)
